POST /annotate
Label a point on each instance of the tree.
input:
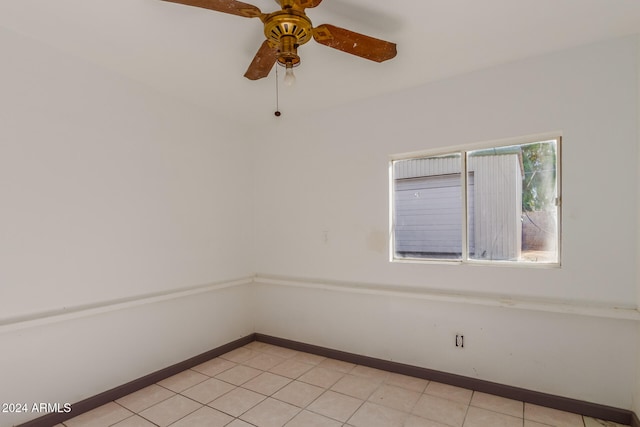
(539, 184)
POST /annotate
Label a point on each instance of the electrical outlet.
(459, 340)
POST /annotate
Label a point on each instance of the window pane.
(512, 199)
(428, 208)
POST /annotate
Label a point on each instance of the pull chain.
(277, 113)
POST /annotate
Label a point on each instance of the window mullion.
(463, 194)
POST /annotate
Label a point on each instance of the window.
(495, 204)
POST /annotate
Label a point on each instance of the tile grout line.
(382, 383)
(408, 413)
(466, 412)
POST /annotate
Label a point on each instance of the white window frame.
(463, 150)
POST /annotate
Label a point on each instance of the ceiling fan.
(289, 28)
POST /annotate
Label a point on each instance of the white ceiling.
(201, 56)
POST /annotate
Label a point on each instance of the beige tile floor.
(267, 386)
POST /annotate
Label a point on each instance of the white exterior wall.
(412, 168)
(494, 206)
(497, 211)
(336, 230)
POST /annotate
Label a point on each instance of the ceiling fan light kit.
(289, 28)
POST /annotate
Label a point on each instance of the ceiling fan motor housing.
(287, 29)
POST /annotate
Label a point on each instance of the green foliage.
(539, 184)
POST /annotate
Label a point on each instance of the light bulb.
(289, 77)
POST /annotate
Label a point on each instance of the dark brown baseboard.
(135, 385)
(594, 410)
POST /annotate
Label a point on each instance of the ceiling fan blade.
(354, 43)
(263, 62)
(226, 6)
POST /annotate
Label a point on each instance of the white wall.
(333, 180)
(117, 203)
(111, 193)
(582, 357)
(68, 360)
(111, 190)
